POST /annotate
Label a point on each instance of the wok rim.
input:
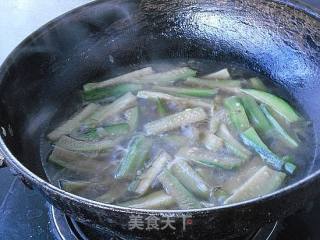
(13, 162)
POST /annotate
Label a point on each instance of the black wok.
(272, 38)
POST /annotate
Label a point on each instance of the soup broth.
(175, 136)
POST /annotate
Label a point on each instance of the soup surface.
(175, 137)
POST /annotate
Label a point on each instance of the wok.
(277, 39)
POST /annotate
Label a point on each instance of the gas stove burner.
(65, 228)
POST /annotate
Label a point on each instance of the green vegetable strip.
(193, 81)
(138, 152)
(176, 141)
(104, 112)
(111, 93)
(157, 200)
(212, 142)
(257, 84)
(235, 181)
(237, 113)
(283, 133)
(161, 108)
(196, 102)
(120, 79)
(221, 75)
(209, 158)
(263, 182)
(111, 130)
(132, 116)
(256, 116)
(149, 176)
(174, 188)
(167, 77)
(175, 121)
(190, 179)
(277, 104)
(75, 161)
(74, 186)
(82, 146)
(252, 139)
(116, 191)
(233, 144)
(73, 123)
(193, 92)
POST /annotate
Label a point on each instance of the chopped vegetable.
(237, 113)
(174, 140)
(157, 200)
(252, 139)
(116, 191)
(257, 83)
(149, 176)
(82, 146)
(126, 78)
(138, 152)
(276, 103)
(256, 116)
(102, 132)
(73, 123)
(193, 92)
(168, 77)
(111, 93)
(222, 84)
(212, 142)
(190, 179)
(221, 74)
(175, 121)
(132, 116)
(180, 194)
(282, 132)
(263, 182)
(183, 100)
(74, 186)
(233, 144)
(161, 107)
(209, 159)
(121, 104)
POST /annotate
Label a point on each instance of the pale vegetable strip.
(82, 146)
(252, 139)
(74, 186)
(212, 142)
(73, 123)
(263, 182)
(193, 92)
(232, 143)
(209, 158)
(195, 102)
(221, 74)
(157, 200)
(116, 191)
(244, 173)
(174, 188)
(175, 121)
(120, 79)
(119, 105)
(277, 104)
(190, 179)
(138, 152)
(132, 116)
(167, 77)
(151, 174)
(257, 83)
(223, 84)
(283, 133)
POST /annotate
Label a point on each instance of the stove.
(24, 214)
